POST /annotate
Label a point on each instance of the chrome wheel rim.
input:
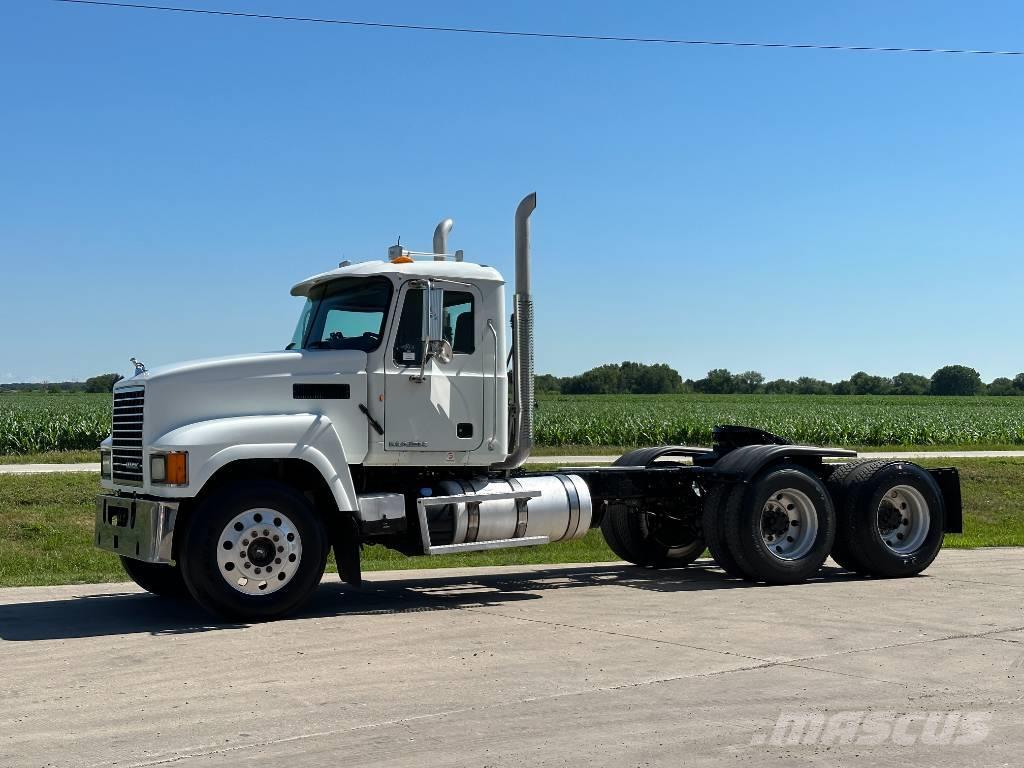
(259, 551)
(789, 524)
(902, 519)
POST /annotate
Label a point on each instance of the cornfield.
(629, 420)
(32, 423)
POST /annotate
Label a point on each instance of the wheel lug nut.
(905, 521)
(790, 539)
(899, 536)
(245, 565)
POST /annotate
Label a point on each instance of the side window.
(459, 324)
(409, 338)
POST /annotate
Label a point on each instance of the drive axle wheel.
(254, 552)
(890, 519)
(714, 528)
(781, 529)
(649, 540)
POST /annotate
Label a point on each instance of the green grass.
(52, 457)
(46, 524)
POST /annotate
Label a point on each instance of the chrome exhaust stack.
(441, 238)
(521, 411)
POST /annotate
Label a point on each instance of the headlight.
(105, 472)
(169, 468)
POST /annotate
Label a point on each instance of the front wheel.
(156, 578)
(254, 551)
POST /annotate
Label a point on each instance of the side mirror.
(435, 346)
(439, 349)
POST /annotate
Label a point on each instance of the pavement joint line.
(767, 662)
(855, 677)
(677, 644)
(975, 581)
(960, 636)
(201, 752)
(1005, 640)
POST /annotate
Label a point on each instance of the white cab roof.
(422, 268)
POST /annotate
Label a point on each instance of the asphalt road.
(596, 665)
(565, 461)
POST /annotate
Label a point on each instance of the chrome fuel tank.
(563, 510)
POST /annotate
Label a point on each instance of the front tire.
(156, 578)
(254, 551)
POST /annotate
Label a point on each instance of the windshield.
(347, 313)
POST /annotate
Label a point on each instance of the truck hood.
(242, 385)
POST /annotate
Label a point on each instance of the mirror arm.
(423, 366)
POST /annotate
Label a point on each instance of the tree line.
(103, 383)
(642, 379)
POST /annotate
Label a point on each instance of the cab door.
(442, 410)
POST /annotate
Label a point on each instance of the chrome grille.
(127, 433)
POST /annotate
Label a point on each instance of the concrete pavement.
(579, 665)
(40, 469)
(566, 461)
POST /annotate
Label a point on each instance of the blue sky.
(165, 179)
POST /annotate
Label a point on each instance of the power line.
(543, 35)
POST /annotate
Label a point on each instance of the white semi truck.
(389, 419)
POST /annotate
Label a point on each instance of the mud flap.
(347, 553)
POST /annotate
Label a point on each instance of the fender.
(216, 443)
(748, 460)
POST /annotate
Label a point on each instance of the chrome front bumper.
(136, 528)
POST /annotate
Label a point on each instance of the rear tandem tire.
(839, 485)
(891, 519)
(782, 528)
(714, 528)
(156, 578)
